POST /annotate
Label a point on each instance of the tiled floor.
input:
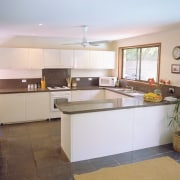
(32, 152)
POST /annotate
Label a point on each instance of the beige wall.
(168, 40)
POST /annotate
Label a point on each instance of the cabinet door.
(81, 59)
(15, 58)
(66, 58)
(37, 106)
(96, 59)
(12, 108)
(108, 60)
(51, 58)
(5, 58)
(35, 58)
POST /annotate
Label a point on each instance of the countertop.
(25, 90)
(105, 105)
(93, 105)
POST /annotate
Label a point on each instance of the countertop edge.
(71, 112)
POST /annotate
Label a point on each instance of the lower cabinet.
(86, 95)
(37, 106)
(12, 108)
(24, 107)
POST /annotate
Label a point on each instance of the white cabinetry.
(84, 59)
(21, 58)
(151, 127)
(51, 58)
(66, 58)
(96, 59)
(12, 108)
(15, 58)
(35, 59)
(24, 107)
(28, 58)
(37, 105)
(130, 129)
(85, 95)
(108, 60)
(81, 59)
(54, 58)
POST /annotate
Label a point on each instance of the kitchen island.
(91, 129)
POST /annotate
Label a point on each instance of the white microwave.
(107, 81)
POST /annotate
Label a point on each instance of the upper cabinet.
(29, 58)
(35, 59)
(51, 58)
(84, 59)
(66, 58)
(21, 58)
(54, 58)
(108, 60)
(81, 59)
(13, 58)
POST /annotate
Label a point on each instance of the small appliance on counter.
(107, 81)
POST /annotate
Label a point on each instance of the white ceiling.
(106, 19)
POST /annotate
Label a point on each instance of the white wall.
(168, 40)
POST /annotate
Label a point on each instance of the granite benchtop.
(79, 107)
(25, 90)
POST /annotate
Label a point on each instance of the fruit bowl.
(152, 97)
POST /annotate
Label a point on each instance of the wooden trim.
(120, 58)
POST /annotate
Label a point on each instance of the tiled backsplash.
(56, 77)
(86, 81)
(17, 83)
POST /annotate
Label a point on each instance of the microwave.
(107, 81)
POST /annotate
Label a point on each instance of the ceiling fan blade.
(99, 42)
(69, 44)
(84, 43)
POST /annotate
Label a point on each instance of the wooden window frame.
(120, 59)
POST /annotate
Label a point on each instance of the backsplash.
(17, 83)
(56, 77)
(139, 86)
(86, 81)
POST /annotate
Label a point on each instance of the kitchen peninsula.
(91, 129)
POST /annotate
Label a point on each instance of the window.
(141, 62)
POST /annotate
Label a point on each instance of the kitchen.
(37, 53)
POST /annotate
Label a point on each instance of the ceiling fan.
(84, 43)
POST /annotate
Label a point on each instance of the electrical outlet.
(171, 90)
(77, 79)
(24, 80)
